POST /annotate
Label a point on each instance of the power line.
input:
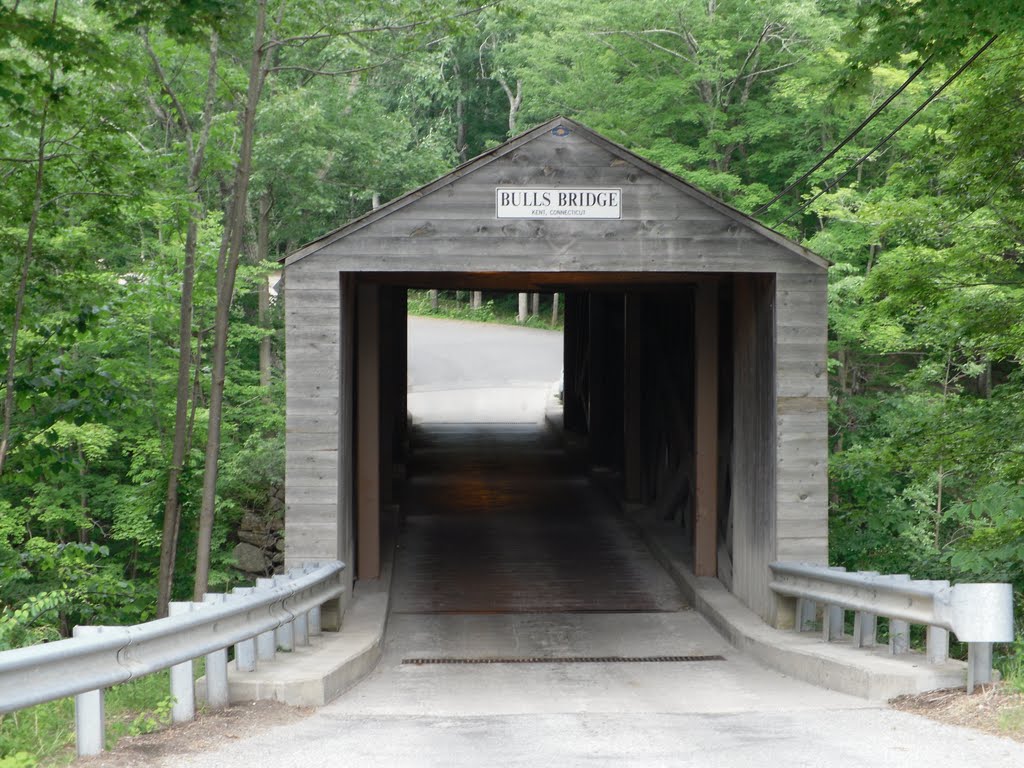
(893, 132)
(845, 141)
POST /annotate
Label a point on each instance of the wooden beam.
(705, 560)
(368, 443)
(538, 281)
(574, 418)
(634, 397)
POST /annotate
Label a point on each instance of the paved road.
(728, 714)
(478, 372)
(452, 354)
(731, 713)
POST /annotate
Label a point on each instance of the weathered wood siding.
(778, 498)
(754, 451)
(452, 227)
(801, 413)
(318, 482)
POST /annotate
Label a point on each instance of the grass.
(44, 735)
(1012, 721)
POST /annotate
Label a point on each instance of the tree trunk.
(515, 101)
(226, 272)
(172, 507)
(263, 255)
(19, 298)
(477, 299)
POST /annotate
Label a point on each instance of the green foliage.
(46, 733)
(497, 308)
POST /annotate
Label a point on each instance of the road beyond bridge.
(511, 556)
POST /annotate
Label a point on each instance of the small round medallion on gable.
(559, 131)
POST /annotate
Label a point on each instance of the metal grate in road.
(565, 660)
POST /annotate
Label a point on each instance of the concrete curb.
(313, 675)
(869, 674)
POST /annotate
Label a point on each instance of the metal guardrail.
(978, 614)
(279, 612)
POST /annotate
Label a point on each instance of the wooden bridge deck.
(498, 520)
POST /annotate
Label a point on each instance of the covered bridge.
(695, 349)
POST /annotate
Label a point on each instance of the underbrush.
(44, 735)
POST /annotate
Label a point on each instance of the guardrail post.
(899, 637)
(217, 694)
(936, 638)
(314, 621)
(899, 631)
(833, 623)
(300, 625)
(806, 613)
(182, 680)
(285, 632)
(865, 629)
(313, 617)
(833, 619)
(89, 711)
(979, 664)
(300, 629)
(266, 643)
(245, 650)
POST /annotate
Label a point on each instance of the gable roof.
(486, 158)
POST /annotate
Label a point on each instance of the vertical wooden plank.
(754, 462)
(597, 392)
(572, 339)
(634, 396)
(705, 559)
(386, 362)
(332, 613)
(402, 310)
(368, 431)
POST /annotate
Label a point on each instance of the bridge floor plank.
(498, 520)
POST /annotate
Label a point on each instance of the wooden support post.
(597, 377)
(634, 398)
(705, 560)
(333, 610)
(523, 308)
(534, 304)
(386, 366)
(572, 340)
(554, 309)
(402, 373)
(368, 432)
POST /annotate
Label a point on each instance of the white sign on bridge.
(552, 203)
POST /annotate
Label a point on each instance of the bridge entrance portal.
(694, 352)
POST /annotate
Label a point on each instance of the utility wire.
(845, 141)
(893, 132)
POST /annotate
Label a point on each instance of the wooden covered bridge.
(694, 349)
